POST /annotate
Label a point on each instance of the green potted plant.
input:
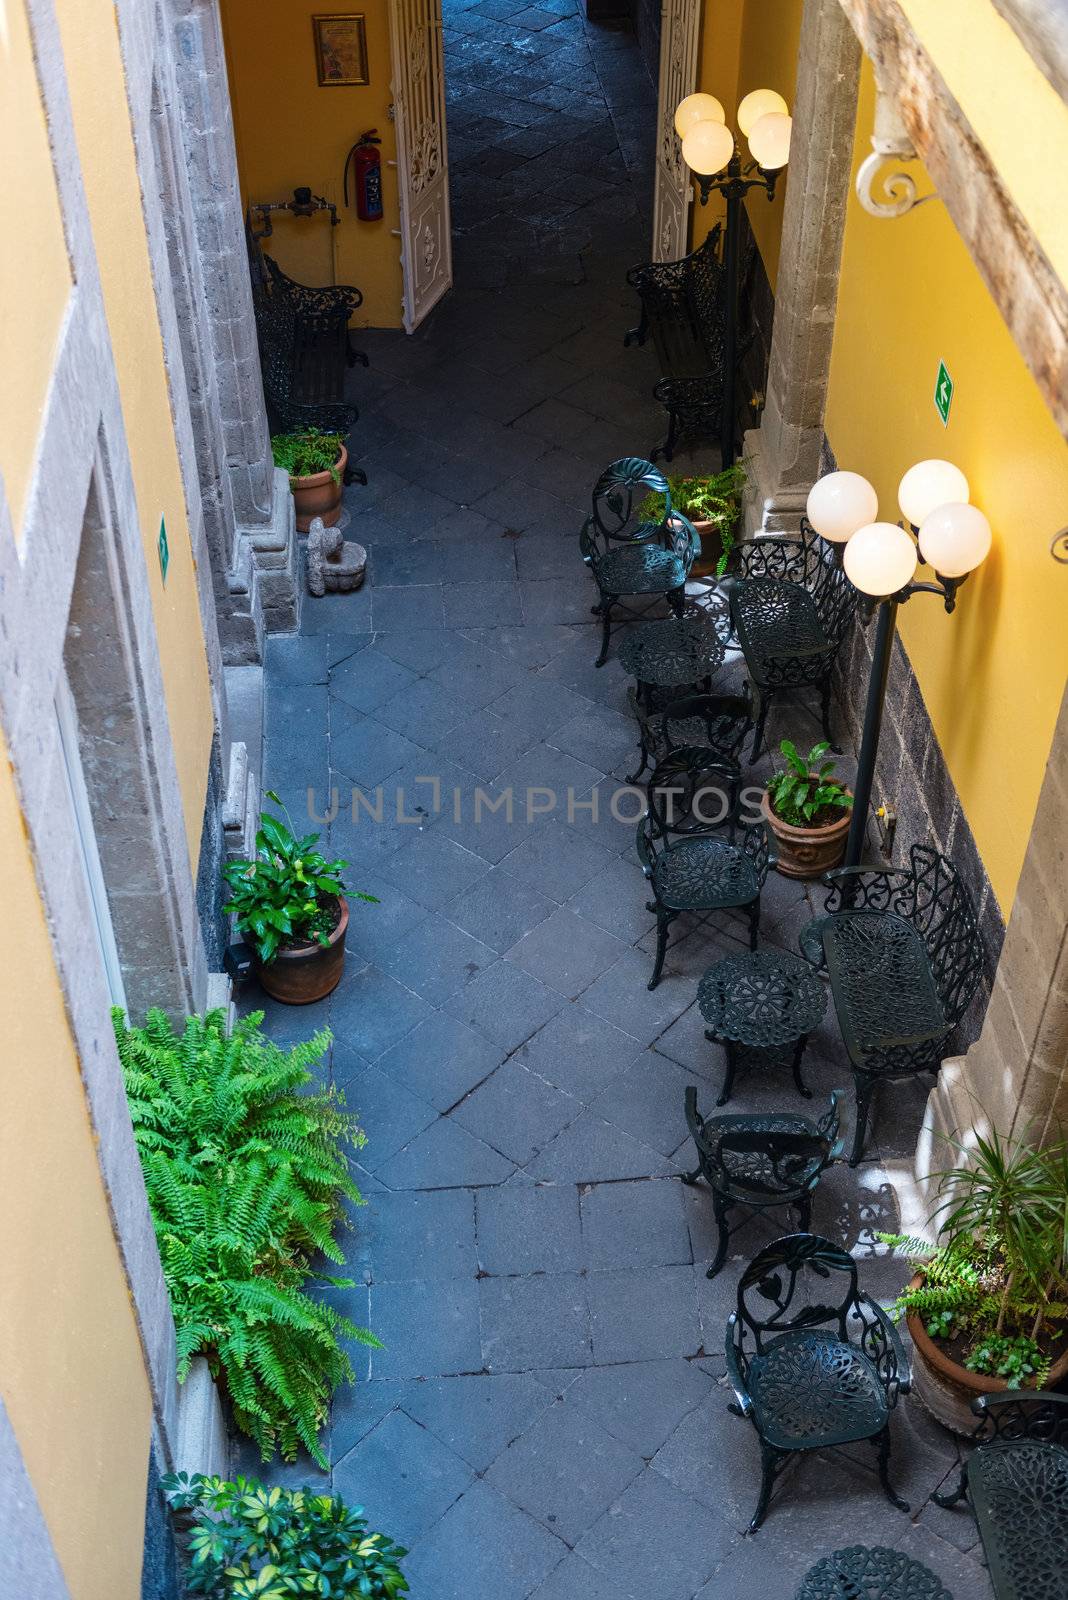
(290, 903)
(713, 503)
(808, 811)
(316, 465)
(246, 1541)
(987, 1307)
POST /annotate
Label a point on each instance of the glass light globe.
(840, 503)
(880, 559)
(954, 539)
(928, 485)
(697, 108)
(769, 142)
(757, 104)
(707, 147)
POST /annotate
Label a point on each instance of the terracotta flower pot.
(807, 852)
(711, 550)
(318, 495)
(946, 1389)
(309, 971)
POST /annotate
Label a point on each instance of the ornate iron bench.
(683, 307)
(1017, 1482)
(811, 1366)
(904, 957)
(305, 350)
(791, 606)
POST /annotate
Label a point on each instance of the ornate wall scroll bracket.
(890, 142)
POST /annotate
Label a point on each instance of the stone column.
(1014, 1078)
(784, 452)
(264, 551)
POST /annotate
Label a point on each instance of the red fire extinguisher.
(365, 159)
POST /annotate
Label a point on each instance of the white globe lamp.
(954, 539)
(769, 141)
(758, 103)
(707, 147)
(839, 504)
(880, 559)
(928, 485)
(697, 108)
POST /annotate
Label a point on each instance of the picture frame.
(341, 49)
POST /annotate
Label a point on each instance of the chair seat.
(704, 874)
(777, 618)
(810, 1388)
(734, 1172)
(645, 568)
(1019, 1492)
(882, 983)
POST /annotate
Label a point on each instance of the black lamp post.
(710, 151)
(880, 560)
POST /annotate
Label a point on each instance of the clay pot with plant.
(713, 504)
(987, 1307)
(808, 811)
(290, 903)
(316, 465)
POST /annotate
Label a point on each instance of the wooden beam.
(1042, 28)
(1026, 289)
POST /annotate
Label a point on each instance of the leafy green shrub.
(248, 1542)
(247, 1177)
(714, 498)
(804, 794)
(290, 893)
(999, 1279)
(308, 451)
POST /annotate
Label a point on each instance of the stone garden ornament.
(335, 564)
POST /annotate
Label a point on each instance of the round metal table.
(871, 1572)
(761, 1006)
(676, 653)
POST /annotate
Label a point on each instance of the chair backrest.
(691, 791)
(721, 721)
(1018, 1414)
(774, 1293)
(788, 1159)
(808, 561)
(617, 496)
(943, 915)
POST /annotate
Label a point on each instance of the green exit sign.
(943, 394)
(164, 550)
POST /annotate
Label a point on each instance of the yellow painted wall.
(992, 675)
(34, 256)
(97, 87)
(71, 1365)
(749, 44)
(291, 131)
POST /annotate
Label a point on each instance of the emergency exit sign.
(164, 550)
(943, 394)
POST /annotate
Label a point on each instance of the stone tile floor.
(547, 1419)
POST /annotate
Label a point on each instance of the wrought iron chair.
(629, 557)
(791, 606)
(813, 1364)
(761, 1162)
(1017, 1483)
(717, 722)
(690, 864)
(904, 957)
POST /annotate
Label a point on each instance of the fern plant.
(308, 451)
(715, 498)
(247, 1177)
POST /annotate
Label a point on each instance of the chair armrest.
(326, 418)
(645, 847)
(881, 1343)
(734, 1368)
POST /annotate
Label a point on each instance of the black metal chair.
(904, 957)
(691, 865)
(813, 1365)
(633, 558)
(716, 722)
(791, 606)
(761, 1162)
(1017, 1482)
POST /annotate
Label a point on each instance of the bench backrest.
(684, 304)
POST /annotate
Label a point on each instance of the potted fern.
(987, 1307)
(316, 465)
(713, 504)
(808, 811)
(290, 903)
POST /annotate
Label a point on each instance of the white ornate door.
(672, 196)
(422, 154)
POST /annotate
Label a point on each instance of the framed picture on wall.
(340, 49)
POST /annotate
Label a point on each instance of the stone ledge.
(201, 1442)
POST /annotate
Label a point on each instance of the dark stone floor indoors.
(548, 1417)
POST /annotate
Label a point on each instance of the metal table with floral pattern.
(871, 1572)
(756, 1005)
